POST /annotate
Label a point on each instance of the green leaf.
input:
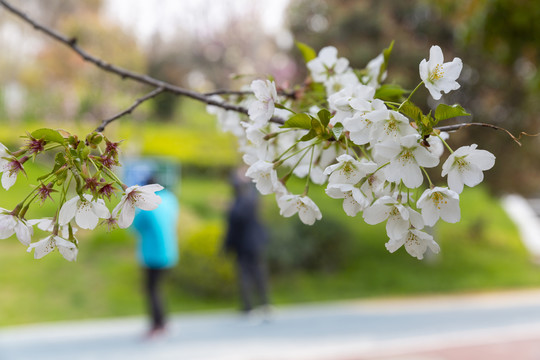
(324, 116)
(390, 92)
(279, 106)
(60, 159)
(310, 135)
(337, 130)
(386, 55)
(300, 120)
(444, 112)
(48, 135)
(307, 51)
(84, 153)
(317, 126)
(412, 111)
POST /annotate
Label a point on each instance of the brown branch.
(124, 73)
(289, 94)
(228, 93)
(129, 110)
(494, 127)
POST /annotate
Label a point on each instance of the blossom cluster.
(87, 179)
(368, 143)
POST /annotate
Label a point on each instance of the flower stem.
(445, 144)
(288, 175)
(411, 94)
(364, 152)
(427, 176)
(113, 176)
(299, 151)
(306, 189)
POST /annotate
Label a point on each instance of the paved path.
(447, 327)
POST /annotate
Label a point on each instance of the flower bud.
(94, 139)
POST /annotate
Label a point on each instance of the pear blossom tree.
(344, 128)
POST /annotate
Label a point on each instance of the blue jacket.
(156, 230)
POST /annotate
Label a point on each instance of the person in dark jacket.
(246, 238)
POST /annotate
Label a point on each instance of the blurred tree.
(58, 85)
(500, 81)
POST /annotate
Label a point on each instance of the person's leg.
(155, 303)
(244, 282)
(259, 276)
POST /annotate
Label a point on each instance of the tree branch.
(124, 73)
(228, 93)
(129, 110)
(162, 86)
(460, 126)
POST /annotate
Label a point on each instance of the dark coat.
(245, 234)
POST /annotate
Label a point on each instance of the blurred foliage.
(483, 251)
(204, 270)
(497, 40)
(53, 83)
(196, 143)
(324, 247)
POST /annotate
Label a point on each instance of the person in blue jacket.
(157, 251)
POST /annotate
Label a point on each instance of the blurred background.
(206, 45)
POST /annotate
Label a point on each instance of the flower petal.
(85, 217)
(42, 247)
(68, 211)
(127, 214)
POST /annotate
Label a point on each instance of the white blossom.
(361, 124)
(465, 165)
(354, 200)
(307, 210)
(406, 158)
(439, 76)
(68, 249)
(47, 224)
(438, 203)
(349, 170)
(374, 186)
(262, 108)
(342, 101)
(142, 197)
(388, 207)
(436, 146)
(327, 65)
(10, 224)
(86, 211)
(416, 243)
(340, 82)
(392, 126)
(264, 176)
(9, 167)
(374, 68)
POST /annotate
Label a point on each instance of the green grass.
(481, 252)
(194, 139)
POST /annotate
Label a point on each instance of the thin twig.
(129, 110)
(282, 92)
(228, 93)
(494, 127)
(124, 73)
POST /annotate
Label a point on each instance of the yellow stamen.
(437, 73)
